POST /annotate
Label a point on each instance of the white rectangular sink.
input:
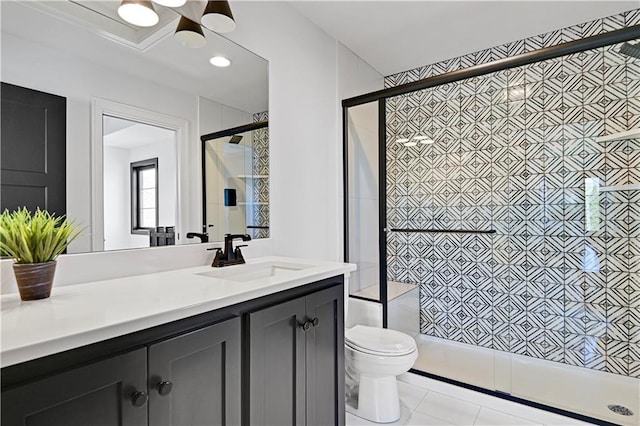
(255, 271)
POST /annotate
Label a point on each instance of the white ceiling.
(394, 36)
(243, 85)
(126, 134)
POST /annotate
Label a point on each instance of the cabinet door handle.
(138, 399)
(315, 322)
(305, 325)
(164, 388)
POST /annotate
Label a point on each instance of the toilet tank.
(362, 312)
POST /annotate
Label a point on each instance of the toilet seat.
(379, 341)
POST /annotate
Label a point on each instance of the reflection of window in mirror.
(144, 196)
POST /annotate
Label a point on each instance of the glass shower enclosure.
(494, 214)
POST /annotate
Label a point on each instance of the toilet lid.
(379, 341)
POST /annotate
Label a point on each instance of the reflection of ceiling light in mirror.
(410, 143)
(170, 3)
(138, 12)
(217, 16)
(402, 140)
(220, 61)
(189, 33)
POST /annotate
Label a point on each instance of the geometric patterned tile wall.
(512, 153)
(260, 166)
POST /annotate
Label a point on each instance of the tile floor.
(426, 402)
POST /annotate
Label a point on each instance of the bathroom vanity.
(261, 343)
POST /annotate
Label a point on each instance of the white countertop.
(82, 314)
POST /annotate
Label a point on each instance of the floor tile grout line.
(488, 405)
(477, 414)
(483, 404)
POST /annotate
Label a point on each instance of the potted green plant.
(34, 241)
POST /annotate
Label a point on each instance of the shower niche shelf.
(619, 136)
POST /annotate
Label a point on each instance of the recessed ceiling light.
(402, 140)
(138, 12)
(170, 3)
(410, 143)
(220, 61)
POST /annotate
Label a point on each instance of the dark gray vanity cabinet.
(325, 358)
(296, 367)
(112, 392)
(191, 379)
(274, 360)
(194, 379)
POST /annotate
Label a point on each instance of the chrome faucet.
(230, 256)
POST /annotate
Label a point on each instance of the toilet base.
(378, 399)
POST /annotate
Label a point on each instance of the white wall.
(116, 198)
(309, 74)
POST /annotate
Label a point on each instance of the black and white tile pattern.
(512, 151)
(260, 167)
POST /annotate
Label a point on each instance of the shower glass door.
(512, 211)
(363, 241)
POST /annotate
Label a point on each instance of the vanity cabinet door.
(194, 379)
(325, 357)
(112, 392)
(276, 386)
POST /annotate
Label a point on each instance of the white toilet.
(373, 358)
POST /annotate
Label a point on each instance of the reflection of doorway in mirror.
(133, 152)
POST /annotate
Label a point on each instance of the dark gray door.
(277, 365)
(33, 140)
(325, 357)
(194, 379)
(99, 394)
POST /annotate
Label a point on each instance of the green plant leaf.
(35, 238)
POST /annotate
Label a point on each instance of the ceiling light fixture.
(410, 143)
(189, 33)
(217, 16)
(138, 12)
(170, 3)
(220, 61)
(402, 140)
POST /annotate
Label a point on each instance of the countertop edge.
(39, 349)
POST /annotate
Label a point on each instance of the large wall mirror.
(133, 105)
